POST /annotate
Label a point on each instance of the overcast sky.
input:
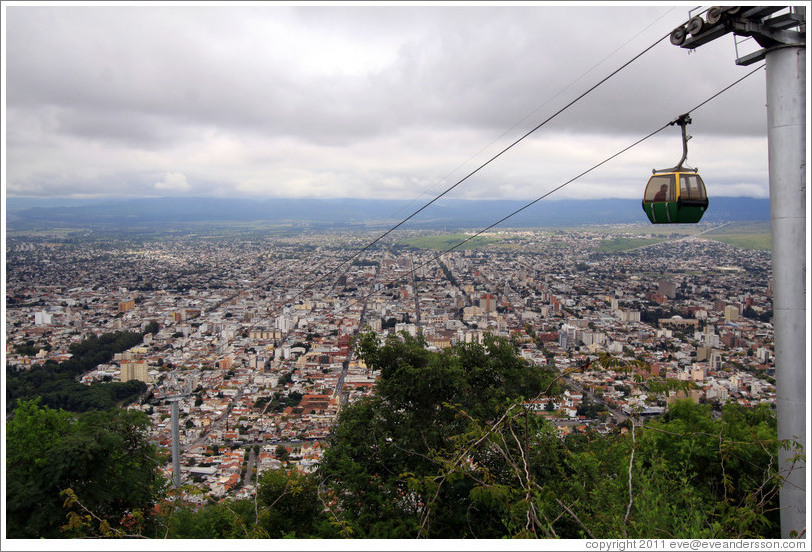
(376, 100)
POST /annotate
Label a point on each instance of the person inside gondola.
(661, 195)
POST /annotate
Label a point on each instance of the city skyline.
(391, 101)
(270, 360)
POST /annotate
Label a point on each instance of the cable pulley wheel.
(714, 15)
(695, 26)
(678, 36)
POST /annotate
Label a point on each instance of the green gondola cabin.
(675, 197)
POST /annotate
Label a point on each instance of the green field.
(673, 231)
(746, 241)
(624, 244)
(447, 241)
(747, 235)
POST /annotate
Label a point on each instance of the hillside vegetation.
(56, 383)
(443, 448)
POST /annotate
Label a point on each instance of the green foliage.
(364, 262)
(216, 521)
(449, 276)
(445, 448)
(286, 378)
(287, 506)
(277, 402)
(282, 453)
(260, 403)
(30, 348)
(102, 457)
(590, 409)
(729, 463)
(291, 504)
(57, 385)
(385, 451)
(692, 476)
(749, 312)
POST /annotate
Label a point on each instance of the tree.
(287, 505)
(386, 450)
(691, 476)
(441, 450)
(57, 385)
(216, 521)
(282, 453)
(31, 434)
(590, 409)
(103, 460)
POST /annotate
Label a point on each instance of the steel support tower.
(780, 31)
(174, 392)
(175, 441)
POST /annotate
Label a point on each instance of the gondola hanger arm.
(683, 121)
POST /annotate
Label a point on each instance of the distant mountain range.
(139, 214)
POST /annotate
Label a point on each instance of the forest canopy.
(57, 385)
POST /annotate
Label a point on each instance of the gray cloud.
(378, 101)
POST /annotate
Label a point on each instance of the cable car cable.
(483, 165)
(561, 91)
(636, 143)
(696, 107)
(489, 161)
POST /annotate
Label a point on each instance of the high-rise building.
(593, 338)
(715, 361)
(628, 316)
(283, 323)
(134, 370)
(42, 318)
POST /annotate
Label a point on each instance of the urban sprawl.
(256, 334)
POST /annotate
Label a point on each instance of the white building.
(42, 318)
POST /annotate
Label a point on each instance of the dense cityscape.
(255, 335)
